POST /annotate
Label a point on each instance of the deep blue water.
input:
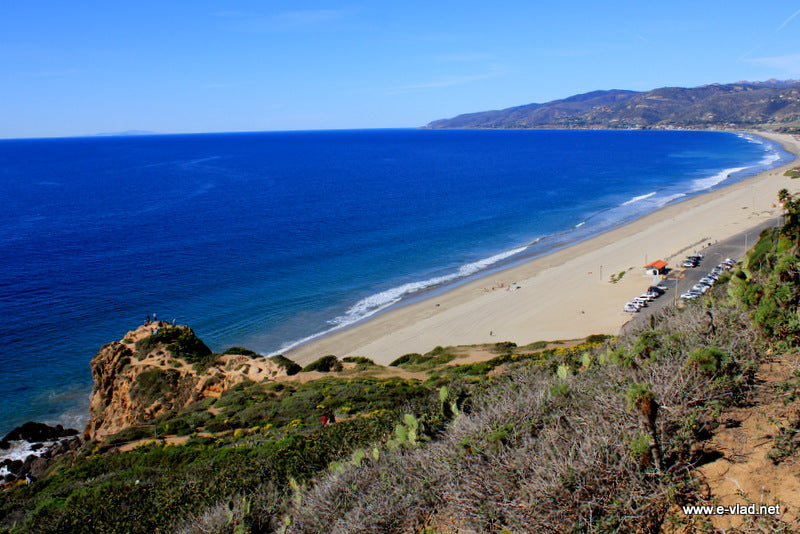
(263, 239)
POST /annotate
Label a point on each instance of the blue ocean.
(268, 239)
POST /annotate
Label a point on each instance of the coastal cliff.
(157, 368)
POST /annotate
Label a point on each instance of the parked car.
(630, 307)
(656, 289)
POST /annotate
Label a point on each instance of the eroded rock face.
(110, 406)
(141, 377)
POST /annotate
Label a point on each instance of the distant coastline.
(743, 105)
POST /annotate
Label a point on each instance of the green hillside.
(740, 105)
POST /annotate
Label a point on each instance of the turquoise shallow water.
(265, 239)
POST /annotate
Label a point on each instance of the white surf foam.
(19, 450)
(378, 302)
(702, 184)
(640, 197)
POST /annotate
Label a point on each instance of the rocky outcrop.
(26, 451)
(36, 433)
(159, 368)
(35, 464)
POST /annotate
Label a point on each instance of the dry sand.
(566, 294)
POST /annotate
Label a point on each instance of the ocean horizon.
(267, 240)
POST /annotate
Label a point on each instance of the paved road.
(682, 279)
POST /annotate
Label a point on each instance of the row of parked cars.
(691, 261)
(705, 283)
(653, 292)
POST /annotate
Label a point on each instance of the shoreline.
(564, 293)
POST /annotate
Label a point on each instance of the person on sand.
(147, 320)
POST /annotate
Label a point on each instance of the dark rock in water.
(37, 432)
(9, 478)
(37, 446)
(14, 466)
(4, 445)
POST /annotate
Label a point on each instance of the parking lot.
(680, 279)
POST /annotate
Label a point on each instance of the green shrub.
(504, 346)
(284, 362)
(419, 362)
(155, 384)
(326, 364)
(182, 342)
(598, 338)
(414, 356)
(709, 360)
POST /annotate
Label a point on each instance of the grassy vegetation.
(793, 173)
(326, 364)
(424, 362)
(183, 343)
(285, 363)
(598, 436)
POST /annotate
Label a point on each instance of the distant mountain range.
(773, 104)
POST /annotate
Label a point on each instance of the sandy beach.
(566, 294)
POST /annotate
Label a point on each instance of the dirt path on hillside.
(742, 472)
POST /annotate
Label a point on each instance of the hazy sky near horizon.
(81, 68)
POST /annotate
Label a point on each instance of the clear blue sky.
(80, 68)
